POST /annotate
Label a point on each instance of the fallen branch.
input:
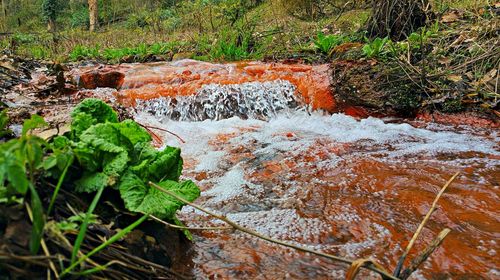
(368, 266)
(421, 226)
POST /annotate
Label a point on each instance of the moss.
(452, 106)
(405, 101)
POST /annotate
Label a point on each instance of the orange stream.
(394, 195)
(383, 194)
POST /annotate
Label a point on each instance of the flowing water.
(353, 187)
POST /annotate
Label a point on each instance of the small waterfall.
(254, 100)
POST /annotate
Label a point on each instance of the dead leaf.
(46, 134)
(454, 78)
(7, 65)
(444, 60)
(450, 17)
(489, 76)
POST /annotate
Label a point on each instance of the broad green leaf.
(89, 112)
(166, 166)
(34, 122)
(33, 150)
(133, 132)
(61, 143)
(97, 109)
(88, 157)
(106, 137)
(111, 146)
(92, 182)
(49, 162)
(142, 198)
(16, 175)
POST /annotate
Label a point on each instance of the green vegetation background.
(221, 30)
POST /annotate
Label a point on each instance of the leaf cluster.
(119, 155)
(325, 43)
(21, 160)
(375, 48)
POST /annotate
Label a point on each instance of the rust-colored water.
(359, 197)
(356, 188)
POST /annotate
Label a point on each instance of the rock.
(101, 78)
(355, 83)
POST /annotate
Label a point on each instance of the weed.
(325, 43)
(81, 52)
(375, 48)
(101, 152)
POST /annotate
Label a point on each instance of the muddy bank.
(367, 88)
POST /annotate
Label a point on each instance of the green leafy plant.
(4, 121)
(119, 155)
(232, 45)
(20, 161)
(325, 43)
(375, 48)
(99, 152)
(82, 52)
(417, 39)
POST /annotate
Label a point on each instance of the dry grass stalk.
(421, 226)
(422, 257)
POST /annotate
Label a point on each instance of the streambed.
(352, 187)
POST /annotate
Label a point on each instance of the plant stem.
(58, 186)
(83, 227)
(421, 226)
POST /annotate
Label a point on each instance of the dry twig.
(422, 257)
(421, 226)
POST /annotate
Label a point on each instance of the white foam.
(232, 185)
(283, 224)
(403, 139)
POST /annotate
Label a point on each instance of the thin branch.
(421, 226)
(272, 240)
(164, 130)
(188, 228)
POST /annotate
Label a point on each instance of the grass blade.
(83, 227)
(38, 221)
(58, 186)
(112, 240)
